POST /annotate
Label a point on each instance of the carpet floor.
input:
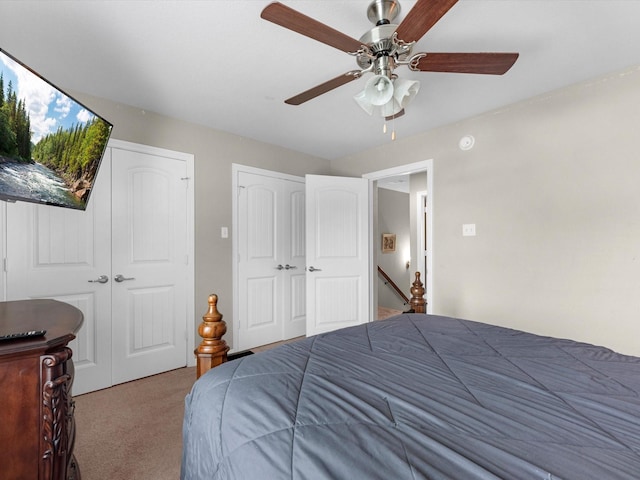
(133, 431)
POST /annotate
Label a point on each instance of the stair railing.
(393, 285)
(417, 302)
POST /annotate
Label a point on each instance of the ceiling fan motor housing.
(381, 12)
(382, 43)
(384, 48)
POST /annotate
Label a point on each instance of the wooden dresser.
(37, 428)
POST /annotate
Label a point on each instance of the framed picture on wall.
(388, 242)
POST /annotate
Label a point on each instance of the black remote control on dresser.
(29, 334)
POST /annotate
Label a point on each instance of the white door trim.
(190, 226)
(422, 166)
(420, 237)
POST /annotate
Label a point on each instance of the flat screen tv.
(51, 145)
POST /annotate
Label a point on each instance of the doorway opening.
(366, 193)
(416, 180)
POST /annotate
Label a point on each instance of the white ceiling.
(217, 63)
(399, 183)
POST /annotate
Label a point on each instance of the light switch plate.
(224, 232)
(469, 230)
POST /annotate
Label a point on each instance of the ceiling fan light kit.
(379, 90)
(386, 98)
(385, 47)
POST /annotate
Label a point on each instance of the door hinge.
(4, 265)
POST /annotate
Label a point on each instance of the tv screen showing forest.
(51, 146)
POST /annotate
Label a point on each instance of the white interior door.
(131, 328)
(59, 253)
(270, 270)
(337, 239)
(295, 304)
(150, 263)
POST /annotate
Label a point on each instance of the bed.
(417, 397)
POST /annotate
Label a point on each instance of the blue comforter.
(417, 397)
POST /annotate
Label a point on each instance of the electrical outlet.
(469, 230)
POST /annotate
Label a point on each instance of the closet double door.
(124, 262)
(271, 258)
(303, 255)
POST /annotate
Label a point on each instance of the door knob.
(100, 279)
(289, 267)
(313, 269)
(279, 267)
(121, 278)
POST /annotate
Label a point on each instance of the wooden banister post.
(212, 351)
(418, 303)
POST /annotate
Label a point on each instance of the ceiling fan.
(385, 47)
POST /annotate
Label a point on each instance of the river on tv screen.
(50, 145)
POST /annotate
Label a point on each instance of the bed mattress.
(417, 397)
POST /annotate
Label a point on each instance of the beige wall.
(393, 217)
(214, 153)
(553, 186)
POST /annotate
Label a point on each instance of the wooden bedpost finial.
(212, 351)
(418, 303)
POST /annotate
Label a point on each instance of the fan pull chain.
(393, 131)
(393, 126)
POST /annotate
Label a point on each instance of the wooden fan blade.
(323, 88)
(289, 18)
(485, 63)
(392, 117)
(424, 15)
